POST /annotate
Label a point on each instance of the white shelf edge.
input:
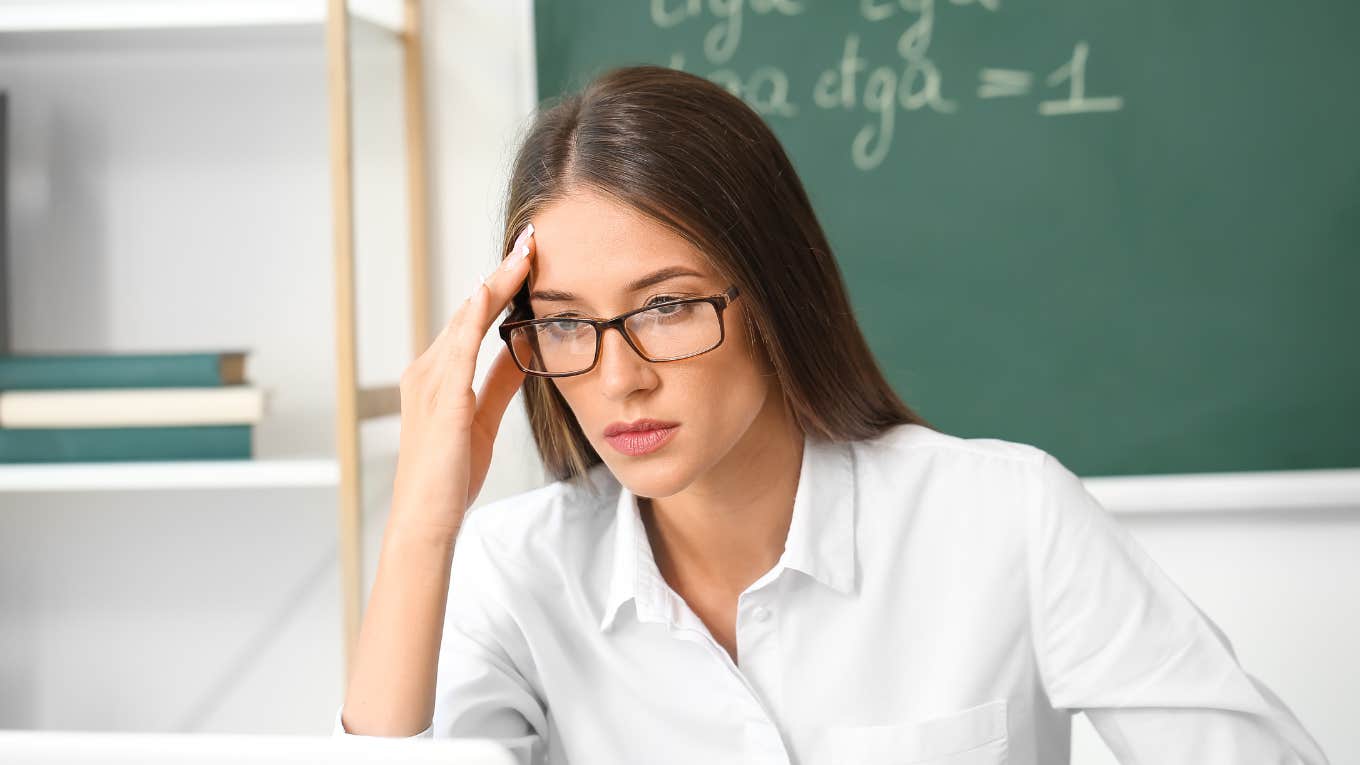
(174, 474)
(1193, 492)
(1282, 490)
(94, 15)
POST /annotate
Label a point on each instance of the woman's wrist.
(409, 529)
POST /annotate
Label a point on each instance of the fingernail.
(520, 250)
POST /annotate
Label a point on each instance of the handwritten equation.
(916, 83)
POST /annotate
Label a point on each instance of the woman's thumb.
(503, 379)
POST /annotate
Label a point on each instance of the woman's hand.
(446, 438)
(447, 431)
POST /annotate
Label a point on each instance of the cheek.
(730, 385)
(572, 390)
(743, 362)
(592, 411)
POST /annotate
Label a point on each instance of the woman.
(754, 550)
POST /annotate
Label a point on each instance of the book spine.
(131, 407)
(35, 372)
(219, 442)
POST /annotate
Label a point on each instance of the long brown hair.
(696, 159)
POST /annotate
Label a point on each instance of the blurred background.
(1127, 234)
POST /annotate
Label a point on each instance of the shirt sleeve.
(480, 690)
(1117, 639)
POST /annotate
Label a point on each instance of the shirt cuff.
(340, 728)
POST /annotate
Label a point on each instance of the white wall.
(220, 612)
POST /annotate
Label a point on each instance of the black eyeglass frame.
(719, 302)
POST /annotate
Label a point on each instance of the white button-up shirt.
(938, 600)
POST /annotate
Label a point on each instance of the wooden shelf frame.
(355, 404)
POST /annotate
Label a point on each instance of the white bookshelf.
(360, 50)
(169, 475)
(93, 15)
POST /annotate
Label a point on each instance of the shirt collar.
(821, 540)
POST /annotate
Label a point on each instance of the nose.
(621, 371)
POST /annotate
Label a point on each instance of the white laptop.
(82, 748)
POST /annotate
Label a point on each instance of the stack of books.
(109, 407)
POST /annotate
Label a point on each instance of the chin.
(653, 477)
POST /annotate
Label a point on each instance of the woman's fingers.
(502, 283)
(446, 433)
(482, 308)
(437, 346)
(502, 381)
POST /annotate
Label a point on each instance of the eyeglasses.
(669, 331)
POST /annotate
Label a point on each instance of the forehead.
(593, 246)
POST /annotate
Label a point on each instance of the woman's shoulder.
(908, 441)
(982, 489)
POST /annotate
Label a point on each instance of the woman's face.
(589, 248)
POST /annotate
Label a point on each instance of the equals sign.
(1000, 83)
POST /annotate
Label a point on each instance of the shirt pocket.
(973, 736)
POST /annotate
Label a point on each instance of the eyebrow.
(654, 278)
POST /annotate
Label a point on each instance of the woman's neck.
(729, 527)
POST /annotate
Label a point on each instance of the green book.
(196, 442)
(53, 371)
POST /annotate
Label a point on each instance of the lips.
(640, 437)
(616, 428)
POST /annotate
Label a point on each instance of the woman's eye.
(562, 328)
(674, 310)
(662, 299)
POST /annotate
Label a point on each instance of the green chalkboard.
(1125, 232)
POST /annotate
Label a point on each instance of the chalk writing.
(1000, 83)
(1074, 72)
(722, 39)
(766, 90)
(911, 82)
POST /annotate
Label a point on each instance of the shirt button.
(761, 614)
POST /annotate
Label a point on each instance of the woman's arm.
(1116, 638)
(481, 688)
(391, 688)
(447, 432)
